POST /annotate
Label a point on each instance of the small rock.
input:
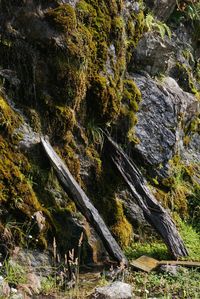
(116, 290)
(169, 269)
(17, 296)
(1, 279)
(13, 291)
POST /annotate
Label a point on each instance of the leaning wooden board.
(153, 212)
(147, 264)
(83, 203)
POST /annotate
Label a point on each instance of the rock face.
(192, 151)
(63, 63)
(152, 53)
(164, 111)
(116, 290)
(66, 64)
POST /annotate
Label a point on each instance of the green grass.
(154, 249)
(185, 284)
(157, 249)
(191, 239)
(162, 285)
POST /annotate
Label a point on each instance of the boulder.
(164, 111)
(116, 290)
(34, 261)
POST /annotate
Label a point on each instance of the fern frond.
(168, 30)
(153, 24)
(149, 20)
(160, 29)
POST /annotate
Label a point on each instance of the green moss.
(86, 12)
(193, 126)
(103, 100)
(63, 17)
(64, 120)
(71, 78)
(122, 229)
(69, 155)
(93, 155)
(73, 87)
(183, 192)
(129, 107)
(16, 189)
(131, 95)
(34, 119)
(95, 26)
(135, 28)
(9, 120)
(118, 29)
(186, 79)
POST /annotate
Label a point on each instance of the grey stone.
(130, 6)
(1, 280)
(116, 290)
(71, 2)
(35, 261)
(164, 111)
(133, 212)
(17, 296)
(153, 54)
(169, 269)
(10, 76)
(191, 153)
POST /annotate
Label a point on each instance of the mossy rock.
(185, 78)
(9, 120)
(63, 17)
(103, 99)
(66, 82)
(86, 12)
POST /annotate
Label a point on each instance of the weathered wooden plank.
(153, 212)
(83, 203)
(188, 264)
(147, 264)
(144, 263)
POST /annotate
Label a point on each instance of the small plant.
(95, 133)
(48, 285)
(15, 273)
(153, 24)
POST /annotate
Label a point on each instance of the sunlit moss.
(182, 190)
(9, 120)
(122, 229)
(63, 17)
(94, 156)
